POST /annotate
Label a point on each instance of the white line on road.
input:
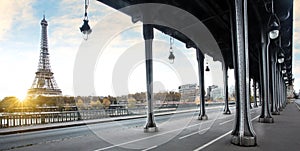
(193, 133)
(226, 122)
(218, 138)
(144, 138)
(297, 105)
(211, 142)
(225, 116)
(149, 148)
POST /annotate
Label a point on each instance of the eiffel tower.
(44, 82)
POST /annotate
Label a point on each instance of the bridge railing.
(34, 118)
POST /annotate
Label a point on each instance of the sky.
(20, 45)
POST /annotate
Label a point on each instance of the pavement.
(283, 134)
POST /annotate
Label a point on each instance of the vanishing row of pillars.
(272, 89)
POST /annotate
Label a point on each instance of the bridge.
(255, 38)
(252, 37)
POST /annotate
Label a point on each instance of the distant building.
(290, 91)
(188, 92)
(217, 93)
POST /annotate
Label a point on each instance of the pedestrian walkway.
(283, 134)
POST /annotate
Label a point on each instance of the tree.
(80, 104)
(9, 103)
(96, 104)
(197, 100)
(106, 103)
(131, 103)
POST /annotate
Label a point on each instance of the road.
(176, 132)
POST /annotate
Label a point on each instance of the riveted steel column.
(243, 133)
(260, 79)
(285, 94)
(260, 93)
(255, 91)
(249, 91)
(148, 37)
(282, 91)
(265, 116)
(200, 59)
(279, 87)
(225, 77)
(274, 108)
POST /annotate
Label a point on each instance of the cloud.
(13, 12)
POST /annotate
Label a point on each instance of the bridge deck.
(213, 134)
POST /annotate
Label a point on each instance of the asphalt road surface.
(176, 132)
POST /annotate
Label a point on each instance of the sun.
(21, 97)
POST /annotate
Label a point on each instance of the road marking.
(149, 148)
(193, 133)
(226, 116)
(226, 122)
(144, 138)
(211, 142)
(218, 138)
(297, 105)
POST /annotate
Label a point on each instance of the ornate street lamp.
(171, 56)
(280, 57)
(273, 24)
(207, 68)
(85, 28)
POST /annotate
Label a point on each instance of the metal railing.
(34, 118)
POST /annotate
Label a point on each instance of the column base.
(227, 112)
(202, 117)
(247, 141)
(150, 125)
(150, 129)
(266, 120)
(276, 113)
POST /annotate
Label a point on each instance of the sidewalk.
(283, 134)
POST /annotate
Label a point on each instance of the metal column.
(274, 105)
(255, 93)
(249, 91)
(200, 59)
(148, 37)
(279, 88)
(225, 77)
(260, 79)
(265, 116)
(243, 133)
